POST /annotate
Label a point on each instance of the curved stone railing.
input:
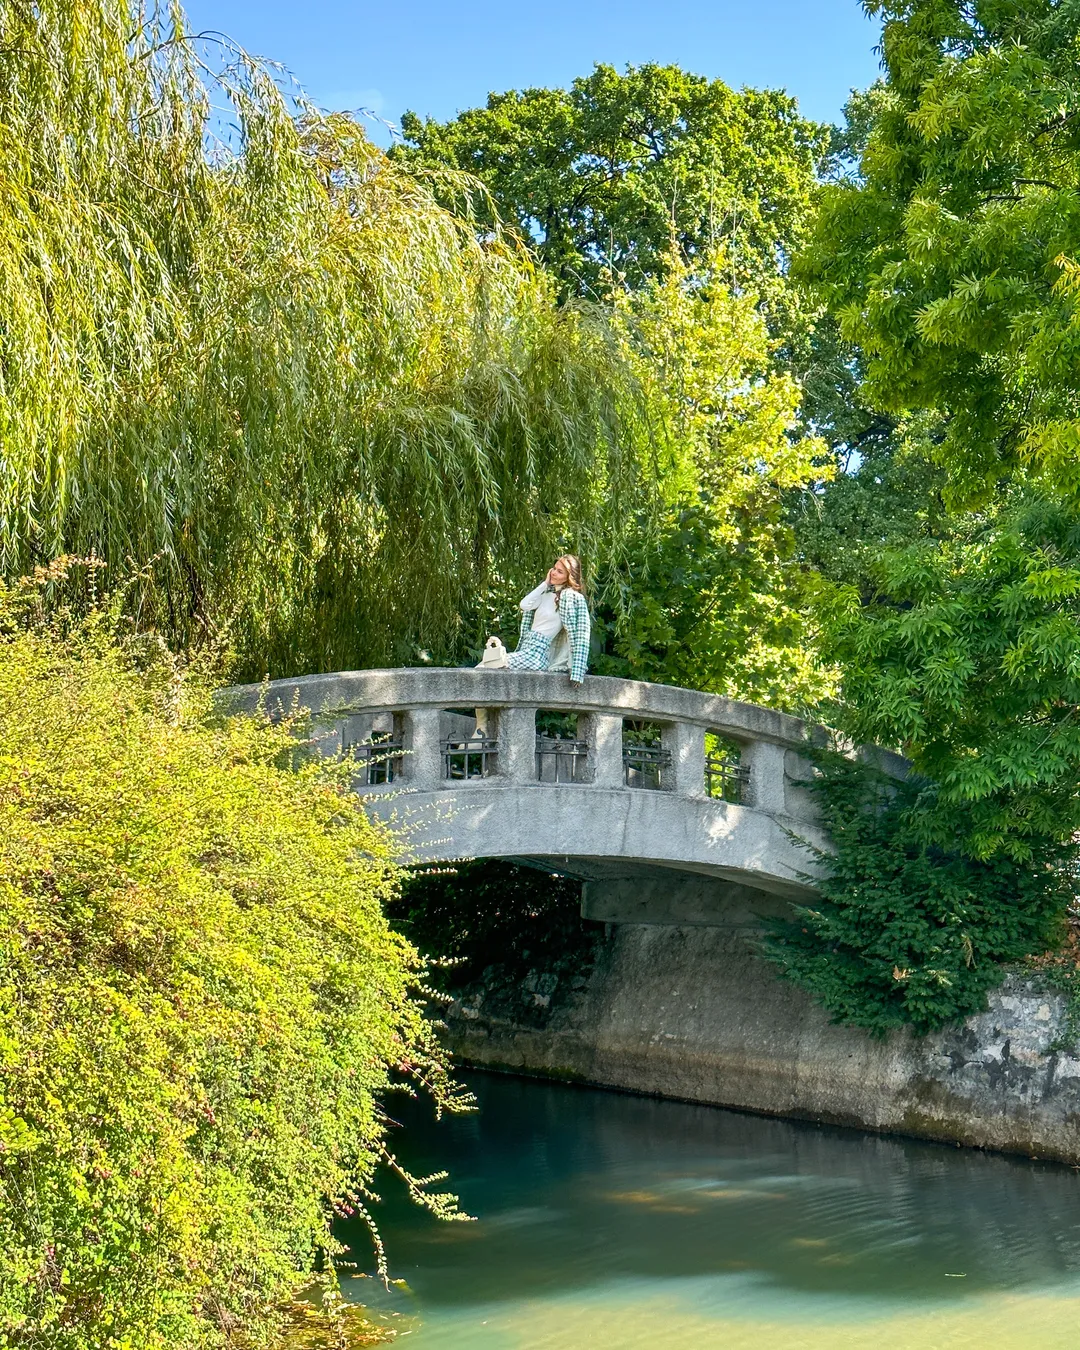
(463, 745)
(413, 732)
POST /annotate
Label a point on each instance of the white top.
(546, 618)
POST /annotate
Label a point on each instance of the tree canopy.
(946, 256)
(712, 594)
(323, 405)
(318, 397)
(944, 249)
(950, 255)
(603, 177)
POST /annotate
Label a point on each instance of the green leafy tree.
(712, 595)
(949, 256)
(326, 409)
(602, 175)
(945, 254)
(888, 497)
(888, 490)
(201, 1003)
(945, 251)
(969, 660)
(716, 601)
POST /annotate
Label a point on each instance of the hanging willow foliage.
(321, 407)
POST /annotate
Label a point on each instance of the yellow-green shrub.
(200, 1002)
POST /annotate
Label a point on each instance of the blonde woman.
(555, 624)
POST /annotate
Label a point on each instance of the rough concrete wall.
(690, 1012)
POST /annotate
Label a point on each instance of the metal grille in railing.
(646, 766)
(561, 760)
(726, 779)
(378, 760)
(472, 758)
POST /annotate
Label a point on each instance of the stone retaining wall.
(690, 1012)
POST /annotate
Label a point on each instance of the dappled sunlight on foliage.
(968, 658)
(327, 409)
(949, 256)
(712, 595)
(201, 1002)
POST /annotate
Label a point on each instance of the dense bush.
(909, 929)
(200, 1001)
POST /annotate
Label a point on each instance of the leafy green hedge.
(906, 931)
(200, 1002)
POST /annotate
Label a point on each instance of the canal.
(624, 1223)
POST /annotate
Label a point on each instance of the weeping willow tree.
(266, 369)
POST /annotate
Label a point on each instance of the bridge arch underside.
(643, 857)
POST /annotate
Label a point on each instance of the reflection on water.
(623, 1223)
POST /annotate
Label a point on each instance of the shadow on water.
(576, 1189)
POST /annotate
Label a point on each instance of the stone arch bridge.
(672, 806)
(682, 813)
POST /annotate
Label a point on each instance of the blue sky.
(437, 58)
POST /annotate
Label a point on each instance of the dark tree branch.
(1039, 182)
(1056, 123)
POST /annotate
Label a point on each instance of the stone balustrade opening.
(468, 743)
(647, 761)
(726, 777)
(562, 752)
(374, 742)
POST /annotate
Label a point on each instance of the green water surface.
(623, 1223)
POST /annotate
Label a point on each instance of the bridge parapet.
(427, 729)
(622, 783)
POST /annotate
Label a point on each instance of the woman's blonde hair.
(572, 563)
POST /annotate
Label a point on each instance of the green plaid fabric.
(574, 612)
(533, 653)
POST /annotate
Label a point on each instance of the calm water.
(627, 1224)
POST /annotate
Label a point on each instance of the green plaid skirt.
(534, 653)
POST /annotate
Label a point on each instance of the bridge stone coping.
(445, 687)
(600, 827)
